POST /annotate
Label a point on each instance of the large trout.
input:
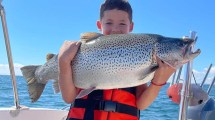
(112, 61)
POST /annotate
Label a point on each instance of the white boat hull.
(32, 114)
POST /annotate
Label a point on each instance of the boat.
(195, 103)
(204, 111)
(20, 112)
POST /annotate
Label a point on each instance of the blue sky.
(39, 27)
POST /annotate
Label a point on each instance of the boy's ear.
(131, 27)
(99, 25)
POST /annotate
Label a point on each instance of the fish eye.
(181, 44)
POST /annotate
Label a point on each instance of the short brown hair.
(116, 4)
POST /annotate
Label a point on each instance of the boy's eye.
(122, 24)
(109, 23)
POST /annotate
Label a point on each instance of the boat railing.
(185, 92)
(176, 79)
(9, 55)
(206, 75)
(211, 85)
(179, 75)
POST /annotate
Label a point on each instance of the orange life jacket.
(116, 104)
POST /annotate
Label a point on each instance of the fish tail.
(35, 89)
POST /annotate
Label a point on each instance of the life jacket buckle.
(108, 106)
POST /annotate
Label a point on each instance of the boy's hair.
(116, 4)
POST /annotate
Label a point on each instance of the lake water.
(161, 109)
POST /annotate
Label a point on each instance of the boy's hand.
(68, 51)
(163, 73)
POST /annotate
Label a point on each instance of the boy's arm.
(66, 54)
(145, 95)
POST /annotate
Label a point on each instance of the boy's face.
(115, 22)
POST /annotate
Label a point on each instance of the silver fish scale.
(114, 59)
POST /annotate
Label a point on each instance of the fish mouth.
(189, 54)
(195, 54)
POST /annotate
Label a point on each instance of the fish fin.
(56, 86)
(49, 56)
(148, 72)
(88, 36)
(35, 89)
(85, 92)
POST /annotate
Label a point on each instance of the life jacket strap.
(107, 105)
(95, 101)
(131, 90)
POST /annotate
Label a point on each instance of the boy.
(116, 104)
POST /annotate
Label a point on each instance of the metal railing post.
(206, 75)
(179, 74)
(9, 55)
(211, 85)
(185, 92)
(173, 79)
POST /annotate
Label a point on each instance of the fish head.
(175, 51)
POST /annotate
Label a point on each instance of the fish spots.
(114, 56)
